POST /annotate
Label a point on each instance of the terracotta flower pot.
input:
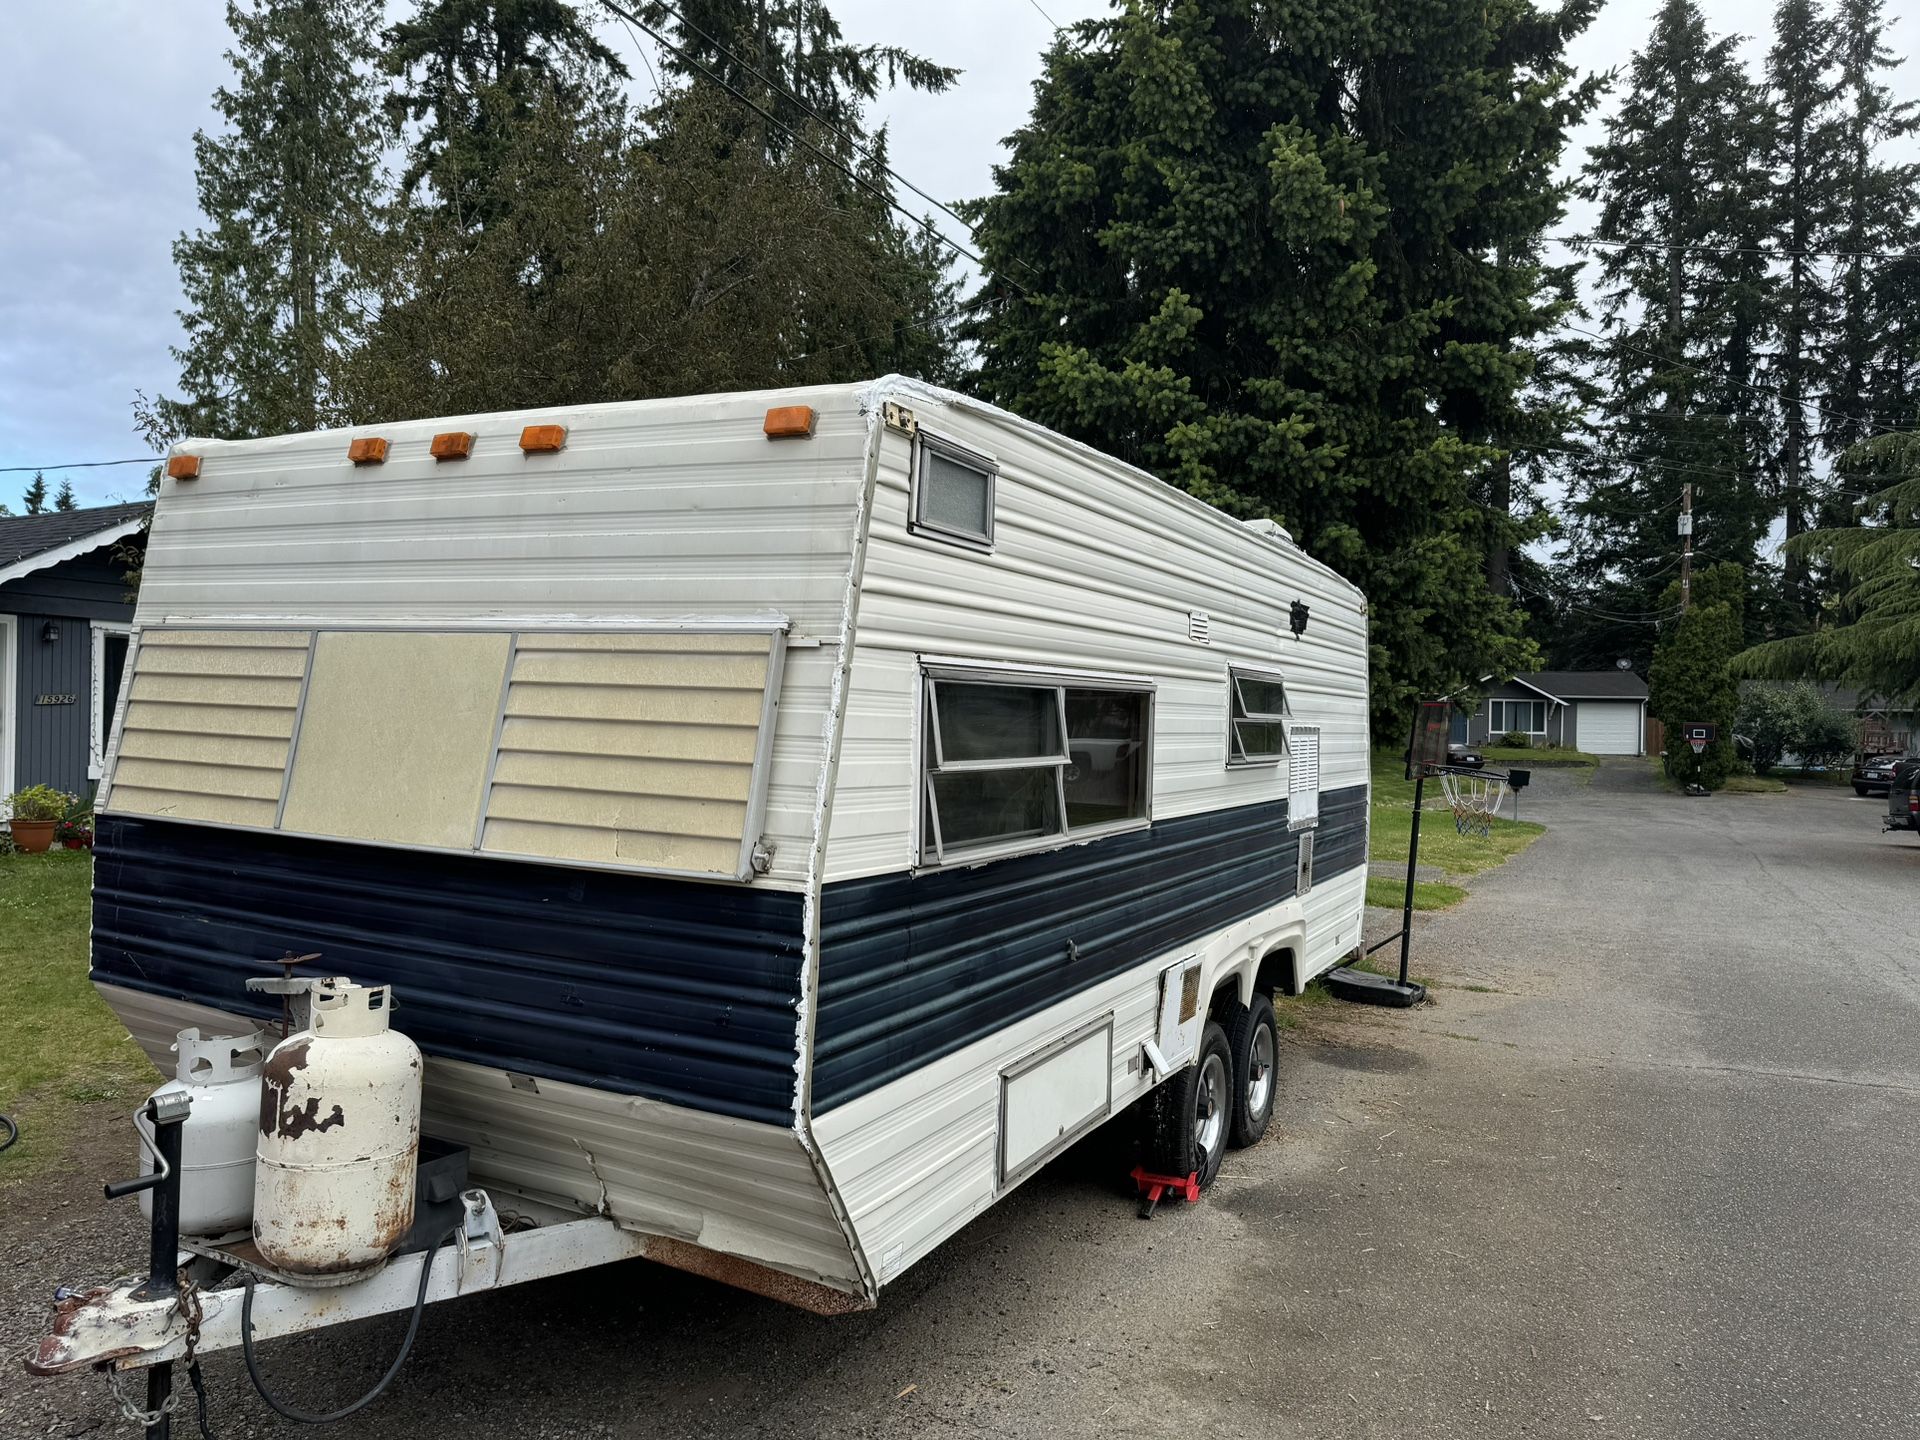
(31, 837)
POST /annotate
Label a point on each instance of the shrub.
(1795, 720)
(1518, 739)
(40, 802)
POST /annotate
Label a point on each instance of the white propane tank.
(339, 1138)
(221, 1076)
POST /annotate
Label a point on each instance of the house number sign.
(53, 699)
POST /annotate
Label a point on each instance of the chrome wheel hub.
(1210, 1106)
(1260, 1072)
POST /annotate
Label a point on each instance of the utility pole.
(1686, 546)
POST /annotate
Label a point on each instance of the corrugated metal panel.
(913, 967)
(729, 1185)
(1096, 567)
(635, 749)
(681, 991)
(209, 723)
(665, 511)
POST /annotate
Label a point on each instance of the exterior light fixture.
(1297, 618)
(50, 632)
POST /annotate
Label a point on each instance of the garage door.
(1608, 727)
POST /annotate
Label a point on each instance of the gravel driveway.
(1646, 1167)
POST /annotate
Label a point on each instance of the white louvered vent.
(1199, 627)
(1303, 777)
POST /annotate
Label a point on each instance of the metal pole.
(163, 1238)
(1686, 546)
(1413, 860)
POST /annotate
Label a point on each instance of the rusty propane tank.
(339, 1138)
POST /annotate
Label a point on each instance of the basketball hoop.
(1699, 746)
(1475, 800)
(1699, 735)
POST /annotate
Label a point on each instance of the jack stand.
(1154, 1188)
(167, 1113)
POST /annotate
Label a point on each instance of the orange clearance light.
(453, 445)
(542, 439)
(367, 450)
(790, 422)
(183, 467)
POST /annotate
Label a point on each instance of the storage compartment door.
(1053, 1097)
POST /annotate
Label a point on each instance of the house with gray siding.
(66, 610)
(1603, 712)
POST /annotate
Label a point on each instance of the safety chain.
(187, 1302)
(132, 1411)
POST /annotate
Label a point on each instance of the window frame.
(1503, 729)
(1238, 714)
(925, 443)
(99, 722)
(930, 851)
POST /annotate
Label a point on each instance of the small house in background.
(66, 610)
(1603, 712)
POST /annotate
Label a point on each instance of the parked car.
(1903, 797)
(1460, 757)
(1874, 774)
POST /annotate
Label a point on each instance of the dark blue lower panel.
(672, 989)
(912, 967)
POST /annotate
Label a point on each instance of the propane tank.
(339, 1138)
(220, 1075)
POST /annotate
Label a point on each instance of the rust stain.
(753, 1277)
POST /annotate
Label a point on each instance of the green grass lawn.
(60, 1046)
(1440, 844)
(1524, 755)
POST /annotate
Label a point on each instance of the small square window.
(1257, 726)
(953, 491)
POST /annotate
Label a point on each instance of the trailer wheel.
(1254, 1040)
(1189, 1118)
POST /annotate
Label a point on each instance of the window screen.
(1019, 764)
(1257, 728)
(953, 491)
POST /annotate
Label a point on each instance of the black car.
(1462, 757)
(1903, 797)
(1874, 774)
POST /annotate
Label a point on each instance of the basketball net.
(1475, 800)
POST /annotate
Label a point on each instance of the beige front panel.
(630, 749)
(396, 736)
(209, 719)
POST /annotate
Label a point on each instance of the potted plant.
(35, 813)
(74, 829)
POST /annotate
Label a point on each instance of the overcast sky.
(96, 163)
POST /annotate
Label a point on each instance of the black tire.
(1188, 1119)
(1254, 1041)
(1861, 791)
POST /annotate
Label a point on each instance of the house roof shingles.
(24, 536)
(1587, 684)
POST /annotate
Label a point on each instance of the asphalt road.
(1646, 1167)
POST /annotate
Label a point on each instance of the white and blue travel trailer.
(785, 820)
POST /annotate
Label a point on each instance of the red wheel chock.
(1155, 1188)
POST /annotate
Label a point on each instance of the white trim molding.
(9, 687)
(99, 723)
(72, 550)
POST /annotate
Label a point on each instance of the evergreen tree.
(1868, 635)
(1803, 149)
(34, 501)
(270, 281)
(64, 499)
(1690, 679)
(1872, 360)
(1286, 255)
(1683, 332)
(468, 73)
(792, 58)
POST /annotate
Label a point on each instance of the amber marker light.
(183, 467)
(790, 422)
(368, 450)
(543, 439)
(453, 445)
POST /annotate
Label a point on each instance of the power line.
(1767, 251)
(834, 161)
(79, 465)
(1043, 14)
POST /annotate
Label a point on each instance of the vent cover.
(1199, 627)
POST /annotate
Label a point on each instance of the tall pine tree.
(286, 188)
(1223, 249)
(1803, 147)
(1682, 334)
(34, 500)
